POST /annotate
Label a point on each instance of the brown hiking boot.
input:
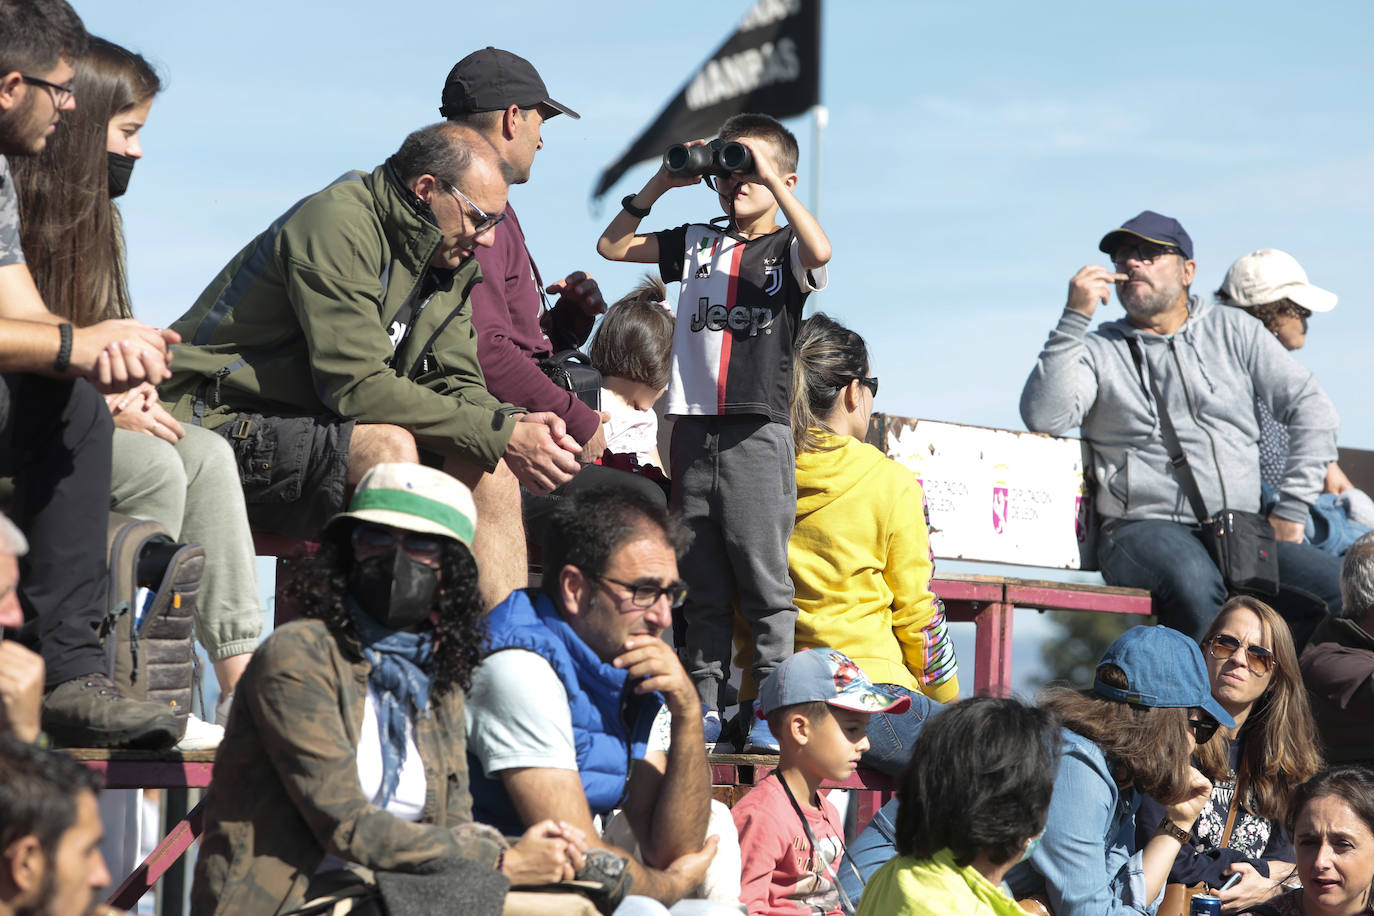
(91, 712)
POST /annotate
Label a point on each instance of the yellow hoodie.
(861, 565)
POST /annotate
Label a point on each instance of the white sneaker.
(200, 736)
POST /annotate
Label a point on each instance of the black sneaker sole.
(157, 734)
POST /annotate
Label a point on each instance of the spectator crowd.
(383, 372)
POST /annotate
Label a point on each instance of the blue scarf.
(401, 667)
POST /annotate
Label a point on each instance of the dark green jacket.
(295, 325)
(286, 787)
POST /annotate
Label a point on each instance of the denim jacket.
(1087, 861)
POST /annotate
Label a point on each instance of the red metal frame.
(152, 770)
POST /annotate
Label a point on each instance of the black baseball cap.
(492, 79)
(1152, 227)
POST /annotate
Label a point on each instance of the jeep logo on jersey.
(743, 320)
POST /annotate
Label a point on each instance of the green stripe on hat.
(414, 504)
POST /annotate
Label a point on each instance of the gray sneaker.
(91, 712)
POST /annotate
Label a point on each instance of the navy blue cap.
(1163, 668)
(1152, 227)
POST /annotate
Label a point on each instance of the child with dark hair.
(973, 803)
(743, 287)
(632, 350)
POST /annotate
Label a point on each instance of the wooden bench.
(125, 769)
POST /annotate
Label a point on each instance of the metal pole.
(820, 117)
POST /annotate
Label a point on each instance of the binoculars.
(719, 158)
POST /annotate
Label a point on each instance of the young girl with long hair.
(184, 478)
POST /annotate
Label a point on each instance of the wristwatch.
(1169, 828)
(628, 205)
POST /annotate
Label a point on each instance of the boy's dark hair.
(979, 781)
(765, 127)
(827, 357)
(38, 792)
(36, 34)
(442, 149)
(635, 338)
(813, 709)
(586, 527)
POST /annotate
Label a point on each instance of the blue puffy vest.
(610, 722)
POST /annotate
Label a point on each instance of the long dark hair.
(70, 228)
(828, 356)
(319, 585)
(1145, 746)
(1280, 734)
(979, 781)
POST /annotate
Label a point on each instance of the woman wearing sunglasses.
(1130, 734)
(1255, 766)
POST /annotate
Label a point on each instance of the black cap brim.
(558, 109)
(1112, 240)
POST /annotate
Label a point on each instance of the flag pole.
(820, 118)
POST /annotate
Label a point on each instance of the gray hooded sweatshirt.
(1211, 371)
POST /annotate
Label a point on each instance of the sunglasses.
(1145, 253)
(1204, 728)
(423, 547)
(481, 222)
(1258, 659)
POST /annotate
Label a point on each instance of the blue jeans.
(1171, 561)
(890, 738)
(870, 850)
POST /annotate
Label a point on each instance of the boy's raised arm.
(620, 242)
(813, 245)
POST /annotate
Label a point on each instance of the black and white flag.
(771, 65)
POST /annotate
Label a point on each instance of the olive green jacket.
(285, 790)
(296, 325)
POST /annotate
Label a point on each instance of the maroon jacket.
(508, 314)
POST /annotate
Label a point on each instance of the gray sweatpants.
(735, 483)
(192, 489)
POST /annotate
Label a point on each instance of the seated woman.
(1271, 286)
(1255, 766)
(184, 478)
(973, 803)
(1130, 734)
(1332, 822)
(345, 744)
(860, 557)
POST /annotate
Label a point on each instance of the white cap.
(1268, 275)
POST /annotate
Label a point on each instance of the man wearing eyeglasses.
(340, 338)
(580, 707)
(1209, 365)
(55, 431)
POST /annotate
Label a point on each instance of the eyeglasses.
(1203, 728)
(1145, 253)
(60, 94)
(481, 222)
(871, 383)
(1257, 658)
(645, 596)
(423, 547)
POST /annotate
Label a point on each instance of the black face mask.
(120, 168)
(394, 590)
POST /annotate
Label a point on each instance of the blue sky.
(975, 152)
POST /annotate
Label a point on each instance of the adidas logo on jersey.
(703, 271)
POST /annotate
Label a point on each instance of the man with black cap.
(502, 96)
(1209, 365)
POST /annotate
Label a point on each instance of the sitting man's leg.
(499, 545)
(1170, 560)
(1309, 588)
(58, 435)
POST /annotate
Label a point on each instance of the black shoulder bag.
(1241, 543)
